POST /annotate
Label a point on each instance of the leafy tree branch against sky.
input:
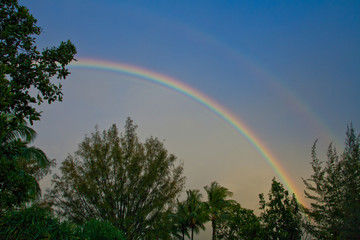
(288, 70)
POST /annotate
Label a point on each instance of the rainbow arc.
(201, 98)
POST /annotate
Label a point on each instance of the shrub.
(34, 223)
(94, 229)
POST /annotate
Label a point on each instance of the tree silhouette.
(180, 221)
(119, 179)
(196, 211)
(20, 164)
(24, 68)
(217, 203)
(239, 223)
(334, 189)
(280, 216)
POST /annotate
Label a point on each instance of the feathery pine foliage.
(334, 189)
(118, 179)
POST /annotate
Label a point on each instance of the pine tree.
(119, 179)
(334, 189)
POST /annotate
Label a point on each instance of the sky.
(288, 70)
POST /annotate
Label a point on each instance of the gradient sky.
(290, 70)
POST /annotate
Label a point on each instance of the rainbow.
(201, 98)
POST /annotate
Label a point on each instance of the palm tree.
(20, 164)
(14, 139)
(180, 221)
(196, 211)
(217, 203)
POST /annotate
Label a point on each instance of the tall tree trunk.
(213, 229)
(192, 233)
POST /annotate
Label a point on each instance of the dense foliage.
(95, 229)
(37, 222)
(281, 216)
(239, 223)
(180, 222)
(20, 166)
(25, 79)
(115, 186)
(217, 204)
(120, 180)
(24, 68)
(34, 223)
(196, 209)
(334, 189)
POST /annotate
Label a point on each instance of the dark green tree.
(117, 178)
(34, 222)
(25, 72)
(196, 211)
(38, 222)
(239, 223)
(26, 76)
(95, 229)
(281, 216)
(21, 166)
(334, 189)
(217, 203)
(179, 221)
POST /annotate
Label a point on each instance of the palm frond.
(20, 132)
(36, 155)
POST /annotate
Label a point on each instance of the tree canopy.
(334, 188)
(239, 223)
(196, 213)
(20, 165)
(116, 185)
(217, 204)
(26, 79)
(119, 179)
(25, 72)
(280, 217)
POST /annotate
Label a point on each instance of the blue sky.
(288, 69)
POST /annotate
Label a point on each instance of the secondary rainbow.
(199, 97)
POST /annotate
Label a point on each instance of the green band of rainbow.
(201, 98)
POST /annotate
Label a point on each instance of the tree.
(20, 166)
(25, 73)
(38, 222)
(196, 211)
(334, 189)
(217, 204)
(25, 80)
(180, 221)
(118, 179)
(239, 223)
(34, 222)
(280, 217)
(94, 230)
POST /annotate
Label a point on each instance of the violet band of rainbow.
(206, 101)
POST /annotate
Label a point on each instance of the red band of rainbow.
(201, 98)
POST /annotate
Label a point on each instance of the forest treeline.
(117, 187)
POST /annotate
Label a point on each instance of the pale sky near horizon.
(288, 69)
